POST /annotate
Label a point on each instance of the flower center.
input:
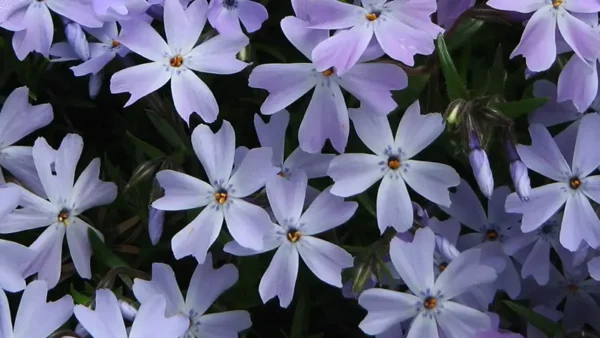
(328, 72)
(443, 266)
(63, 217)
(394, 163)
(430, 303)
(177, 61)
(557, 3)
(575, 183)
(221, 197)
(294, 235)
(373, 15)
(115, 44)
(491, 235)
(230, 3)
(573, 288)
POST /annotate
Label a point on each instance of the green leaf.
(143, 172)
(497, 75)
(467, 29)
(166, 130)
(78, 297)
(300, 315)
(102, 253)
(548, 327)
(454, 85)
(148, 149)
(516, 109)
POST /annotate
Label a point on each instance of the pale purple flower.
(18, 119)
(402, 29)
(327, 114)
(538, 43)
(67, 199)
(14, 257)
(430, 301)
(594, 268)
(573, 187)
(225, 16)
(36, 317)
(177, 60)
(394, 165)
(518, 170)
(77, 40)
(222, 198)
(106, 320)
(449, 10)
(32, 22)
(156, 221)
(121, 10)
(293, 236)
(206, 285)
(490, 228)
(481, 166)
(495, 331)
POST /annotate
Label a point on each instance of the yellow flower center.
(63, 217)
(372, 16)
(328, 72)
(491, 235)
(394, 163)
(115, 43)
(221, 197)
(557, 3)
(430, 303)
(443, 266)
(177, 61)
(575, 183)
(294, 236)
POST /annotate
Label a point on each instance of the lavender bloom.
(481, 166)
(67, 199)
(101, 52)
(225, 16)
(18, 119)
(573, 185)
(177, 60)
(295, 235)
(14, 257)
(222, 198)
(518, 170)
(401, 28)
(119, 10)
(327, 115)
(492, 228)
(449, 10)
(206, 285)
(156, 223)
(106, 320)
(77, 40)
(430, 303)
(32, 23)
(35, 317)
(393, 164)
(538, 43)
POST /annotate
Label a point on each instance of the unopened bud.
(127, 310)
(445, 248)
(481, 166)
(77, 40)
(453, 112)
(520, 178)
(156, 222)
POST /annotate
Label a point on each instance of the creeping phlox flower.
(574, 187)
(402, 29)
(67, 199)
(481, 166)
(35, 318)
(393, 163)
(538, 43)
(32, 22)
(177, 60)
(294, 235)
(14, 257)
(449, 10)
(205, 287)
(327, 114)
(18, 119)
(225, 16)
(222, 197)
(113, 10)
(430, 304)
(106, 320)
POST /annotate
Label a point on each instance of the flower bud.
(420, 216)
(453, 112)
(156, 222)
(445, 248)
(77, 40)
(128, 311)
(520, 178)
(481, 166)
(95, 84)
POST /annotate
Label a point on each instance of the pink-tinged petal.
(583, 6)
(373, 130)
(553, 112)
(332, 14)
(385, 309)
(417, 131)
(89, 191)
(342, 50)
(253, 172)
(252, 14)
(37, 34)
(80, 247)
(354, 173)
(463, 273)
(523, 6)
(430, 180)
(48, 255)
(324, 259)
(150, 321)
(139, 80)
(578, 82)
(225, 21)
(163, 283)
(272, 134)
(224, 324)
(142, 39)
(78, 11)
(538, 43)
(286, 83)
(305, 39)
(207, 284)
(327, 211)
(466, 207)
(247, 223)
(286, 197)
(402, 42)
(457, 320)
(197, 237)
(192, 95)
(215, 151)
(182, 191)
(326, 118)
(582, 38)
(423, 326)
(280, 278)
(543, 202)
(217, 55)
(372, 84)
(580, 223)
(543, 156)
(584, 160)
(414, 261)
(93, 65)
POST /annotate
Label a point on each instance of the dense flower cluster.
(425, 276)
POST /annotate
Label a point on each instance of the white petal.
(163, 283)
(280, 278)
(431, 180)
(324, 259)
(417, 131)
